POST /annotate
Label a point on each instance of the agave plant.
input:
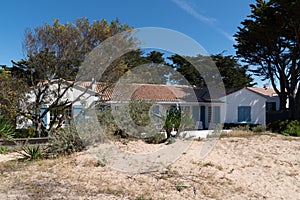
(7, 130)
(31, 153)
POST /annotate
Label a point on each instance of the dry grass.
(241, 167)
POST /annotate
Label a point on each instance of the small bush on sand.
(3, 149)
(259, 128)
(32, 153)
(65, 142)
(286, 127)
(245, 127)
(292, 128)
(155, 139)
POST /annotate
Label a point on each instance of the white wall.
(86, 100)
(245, 97)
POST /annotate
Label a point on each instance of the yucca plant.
(7, 130)
(31, 153)
(3, 149)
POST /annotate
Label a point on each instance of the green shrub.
(286, 127)
(32, 153)
(292, 128)
(245, 127)
(25, 133)
(64, 142)
(7, 130)
(3, 149)
(259, 128)
(155, 139)
(171, 140)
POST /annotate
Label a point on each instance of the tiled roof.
(157, 92)
(270, 92)
(160, 92)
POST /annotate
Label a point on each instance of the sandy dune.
(251, 167)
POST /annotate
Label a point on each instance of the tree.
(11, 90)
(233, 74)
(54, 55)
(270, 40)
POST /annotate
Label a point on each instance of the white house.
(244, 105)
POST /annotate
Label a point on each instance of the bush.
(25, 133)
(245, 127)
(32, 153)
(286, 127)
(7, 130)
(65, 142)
(155, 139)
(292, 128)
(259, 128)
(3, 149)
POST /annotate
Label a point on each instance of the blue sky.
(211, 23)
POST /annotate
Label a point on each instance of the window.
(244, 114)
(103, 107)
(209, 114)
(196, 113)
(270, 106)
(78, 113)
(217, 113)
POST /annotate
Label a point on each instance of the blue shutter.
(42, 110)
(217, 113)
(247, 113)
(244, 114)
(77, 112)
(195, 113)
(202, 117)
(155, 109)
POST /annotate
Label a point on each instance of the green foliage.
(108, 124)
(173, 119)
(55, 53)
(32, 153)
(12, 90)
(25, 133)
(3, 149)
(233, 74)
(171, 140)
(65, 142)
(180, 186)
(139, 112)
(245, 127)
(292, 128)
(155, 139)
(7, 130)
(259, 128)
(134, 120)
(286, 127)
(143, 198)
(268, 39)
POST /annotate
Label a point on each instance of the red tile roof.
(160, 92)
(270, 92)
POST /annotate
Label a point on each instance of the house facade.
(244, 105)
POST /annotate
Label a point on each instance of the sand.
(250, 167)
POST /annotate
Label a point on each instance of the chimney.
(266, 86)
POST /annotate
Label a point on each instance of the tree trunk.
(296, 111)
(38, 129)
(283, 101)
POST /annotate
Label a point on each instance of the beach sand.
(249, 167)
